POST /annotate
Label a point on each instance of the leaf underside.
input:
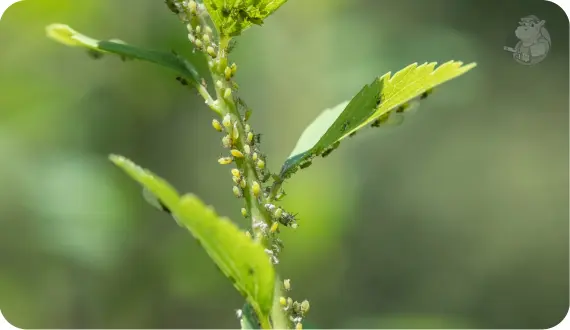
(232, 17)
(238, 257)
(67, 36)
(377, 103)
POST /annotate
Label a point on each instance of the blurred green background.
(459, 218)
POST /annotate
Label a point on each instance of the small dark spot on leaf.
(232, 279)
(352, 134)
(250, 271)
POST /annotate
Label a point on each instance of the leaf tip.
(62, 33)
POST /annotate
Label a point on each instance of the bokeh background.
(456, 219)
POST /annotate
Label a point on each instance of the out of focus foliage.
(457, 219)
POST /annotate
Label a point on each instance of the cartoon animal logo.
(534, 41)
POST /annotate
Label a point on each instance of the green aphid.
(306, 164)
(172, 6)
(95, 54)
(426, 93)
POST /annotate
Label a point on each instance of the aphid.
(237, 191)
(299, 326)
(183, 81)
(227, 141)
(225, 160)
(426, 93)
(254, 156)
(206, 38)
(217, 126)
(232, 46)
(249, 138)
(287, 284)
(95, 54)
(198, 43)
(244, 212)
(274, 227)
(236, 180)
(247, 149)
(235, 132)
(243, 184)
(210, 50)
(234, 69)
(236, 153)
(239, 313)
(380, 120)
(236, 173)
(247, 129)
(219, 84)
(228, 93)
(255, 188)
(306, 164)
(305, 306)
(228, 73)
(172, 6)
(227, 121)
(192, 5)
(280, 195)
(278, 213)
(327, 152)
(378, 100)
(269, 207)
(260, 164)
(283, 301)
(247, 115)
(402, 107)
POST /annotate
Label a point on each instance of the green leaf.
(383, 102)
(248, 319)
(241, 259)
(238, 257)
(66, 35)
(232, 17)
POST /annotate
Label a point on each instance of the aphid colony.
(294, 310)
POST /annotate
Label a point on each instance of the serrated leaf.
(232, 17)
(375, 102)
(241, 259)
(66, 35)
(238, 257)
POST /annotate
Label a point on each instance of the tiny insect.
(306, 164)
(95, 54)
(183, 81)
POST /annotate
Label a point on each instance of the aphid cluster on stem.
(294, 310)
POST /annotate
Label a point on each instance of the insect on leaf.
(383, 102)
(66, 35)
